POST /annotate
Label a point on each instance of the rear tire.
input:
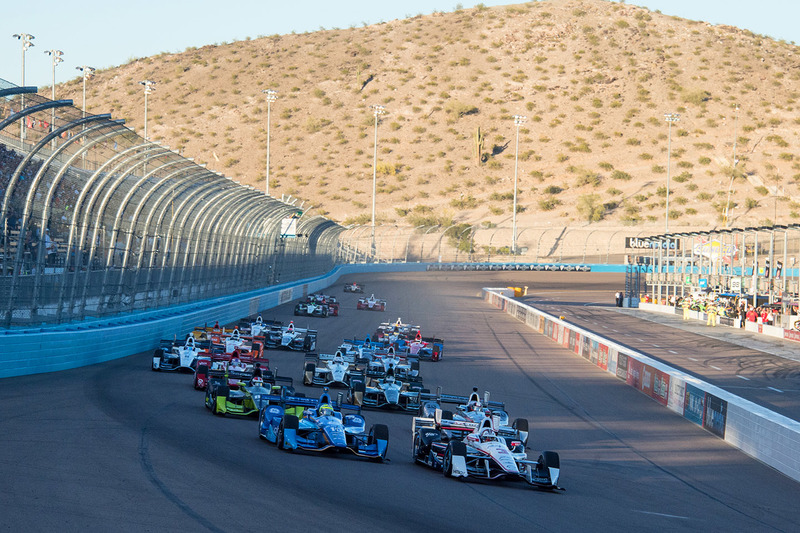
(308, 374)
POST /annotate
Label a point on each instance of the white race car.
(371, 303)
(481, 450)
(329, 369)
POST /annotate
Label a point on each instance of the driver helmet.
(258, 382)
(474, 405)
(325, 409)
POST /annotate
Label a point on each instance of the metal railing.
(96, 221)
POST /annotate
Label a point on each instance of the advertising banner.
(637, 243)
(622, 366)
(716, 415)
(612, 359)
(660, 390)
(791, 335)
(635, 371)
(285, 296)
(548, 328)
(694, 404)
(585, 347)
(677, 395)
(593, 349)
(602, 356)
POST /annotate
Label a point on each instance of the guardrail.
(763, 434)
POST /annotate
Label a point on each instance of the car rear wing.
(347, 358)
(232, 374)
(461, 400)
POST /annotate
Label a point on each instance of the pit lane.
(118, 447)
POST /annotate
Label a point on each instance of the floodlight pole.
(271, 97)
(56, 56)
(377, 110)
(670, 118)
(518, 121)
(26, 39)
(733, 169)
(149, 87)
(87, 72)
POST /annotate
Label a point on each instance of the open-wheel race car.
(371, 304)
(322, 427)
(178, 356)
(480, 450)
(384, 361)
(329, 369)
(386, 392)
(354, 287)
(291, 337)
(247, 399)
(318, 305)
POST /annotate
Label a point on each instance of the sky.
(103, 33)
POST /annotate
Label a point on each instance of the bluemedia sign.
(649, 243)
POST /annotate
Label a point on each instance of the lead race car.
(481, 450)
(322, 427)
(354, 287)
(371, 304)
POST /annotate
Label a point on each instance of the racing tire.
(548, 460)
(324, 312)
(455, 448)
(261, 423)
(308, 374)
(447, 415)
(379, 432)
(522, 425)
(158, 352)
(415, 455)
(357, 390)
(425, 391)
(288, 422)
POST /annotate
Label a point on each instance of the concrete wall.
(48, 349)
(757, 431)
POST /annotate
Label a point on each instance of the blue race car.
(322, 427)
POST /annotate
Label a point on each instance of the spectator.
(770, 317)
(752, 316)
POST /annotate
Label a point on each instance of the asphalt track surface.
(117, 447)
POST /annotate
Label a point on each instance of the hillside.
(594, 79)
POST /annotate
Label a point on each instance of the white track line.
(742, 377)
(776, 390)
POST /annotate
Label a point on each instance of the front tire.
(454, 449)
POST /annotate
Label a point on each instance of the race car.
(291, 337)
(431, 348)
(471, 409)
(371, 303)
(322, 427)
(325, 299)
(354, 287)
(311, 309)
(171, 355)
(255, 328)
(212, 366)
(385, 361)
(480, 450)
(245, 400)
(329, 369)
(396, 332)
(386, 392)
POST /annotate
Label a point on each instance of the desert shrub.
(549, 203)
(552, 189)
(590, 208)
(620, 175)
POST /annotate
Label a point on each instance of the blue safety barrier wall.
(48, 349)
(763, 434)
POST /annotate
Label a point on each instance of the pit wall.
(48, 349)
(763, 434)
